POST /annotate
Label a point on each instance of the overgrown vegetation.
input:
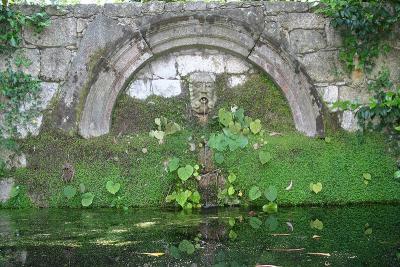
(364, 25)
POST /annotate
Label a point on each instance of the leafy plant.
(230, 195)
(254, 193)
(367, 178)
(186, 246)
(112, 187)
(264, 157)
(87, 199)
(316, 188)
(69, 191)
(363, 24)
(164, 128)
(15, 190)
(316, 224)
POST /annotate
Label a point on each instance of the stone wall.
(91, 53)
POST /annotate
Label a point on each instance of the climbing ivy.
(363, 25)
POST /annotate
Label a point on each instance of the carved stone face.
(202, 92)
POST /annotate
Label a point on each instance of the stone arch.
(240, 32)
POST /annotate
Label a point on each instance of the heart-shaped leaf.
(270, 207)
(255, 126)
(231, 190)
(271, 193)
(232, 221)
(264, 157)
(195, 197)
(254, 193)
(219, 158)
(367, 176)
(316, 188)
(184, 173)
(272, 223)
(231, 177)
(316, 224)
(182, 197)
(112, 187)
(173, 164)
(224, 117)
(69, 191)
(232, 235)
(87, 199)
(186, 246)
(82, 188)
(255, 222)
(172, 128)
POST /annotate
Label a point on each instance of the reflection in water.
(345, 236)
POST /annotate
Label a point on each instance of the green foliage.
(185, 173)
(112, 187)
(231, 194)
(264, 157)
(317, 224)
(271, 193)
(12, 22)
(164, 128)
(69, 191)
(173, 164)
(270, 207)
(316, 188)
(87, 199)
(186, 246)
(254, 193)
(363, 25)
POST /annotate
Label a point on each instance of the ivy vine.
(364, 25)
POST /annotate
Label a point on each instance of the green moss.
(261, 99)
(338, 165)
(133, 115)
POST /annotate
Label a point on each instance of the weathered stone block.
(140, 89)
(195, 6)
(236, 80)
(61, 32)
(321, 65)
(305, 21)
(54, 64)
(173, 7)
(235, 65)
(164, 67)
(348, 121)
(153, 7)
(86, 10)
(303, 41)
(31, 55)
(274, 8)
(166, 88)
(5, 189)
(188, 64)
(123, 10)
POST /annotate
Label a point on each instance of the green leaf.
(69, 191)
(225, 117)
(82, 188)
(328, 139)
(87, 199)
(195, 197)
(270, 207)
(271, 193)
(158, 134)
(231, 177)
(112, 187)
(171, 128)
(186, 246)
(316, 224)
(264, 156)
(367, 176)
(219, 158)
(397, 174)
(254, 193)
(316, 188)
(232, 222)
(174, 252)
(231, 190)
(255, 222)
(368, 231)
(184, 173)
(255, 126)
(170, 198)
(173, 164)
(272, 223)
(232, 235)
(14, 191)
(182, 197)
(157, 121)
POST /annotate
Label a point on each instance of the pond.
(300, 236)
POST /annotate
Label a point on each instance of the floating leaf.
(231, 177)
(316, 224)
(231, 190)
(254, 193)
(173, 164)
(270, 207)
(219, 158)
(255, 222)
(174, 252)
(255, 126)
(397, 174)
(232, 222)
(69, 191)
(87, 199)
(170, 198)
(112, 187)
(271, 193)
(232, 235)
(186, 246)
(316, 188)
(272, 223)
(368, 231)
(184, 173)
(328, 139)
(264, 157)
(182, 197)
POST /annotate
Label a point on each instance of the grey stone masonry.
(91, 53)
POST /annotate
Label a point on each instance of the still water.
(303, 236)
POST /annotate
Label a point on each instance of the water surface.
(341, 236)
